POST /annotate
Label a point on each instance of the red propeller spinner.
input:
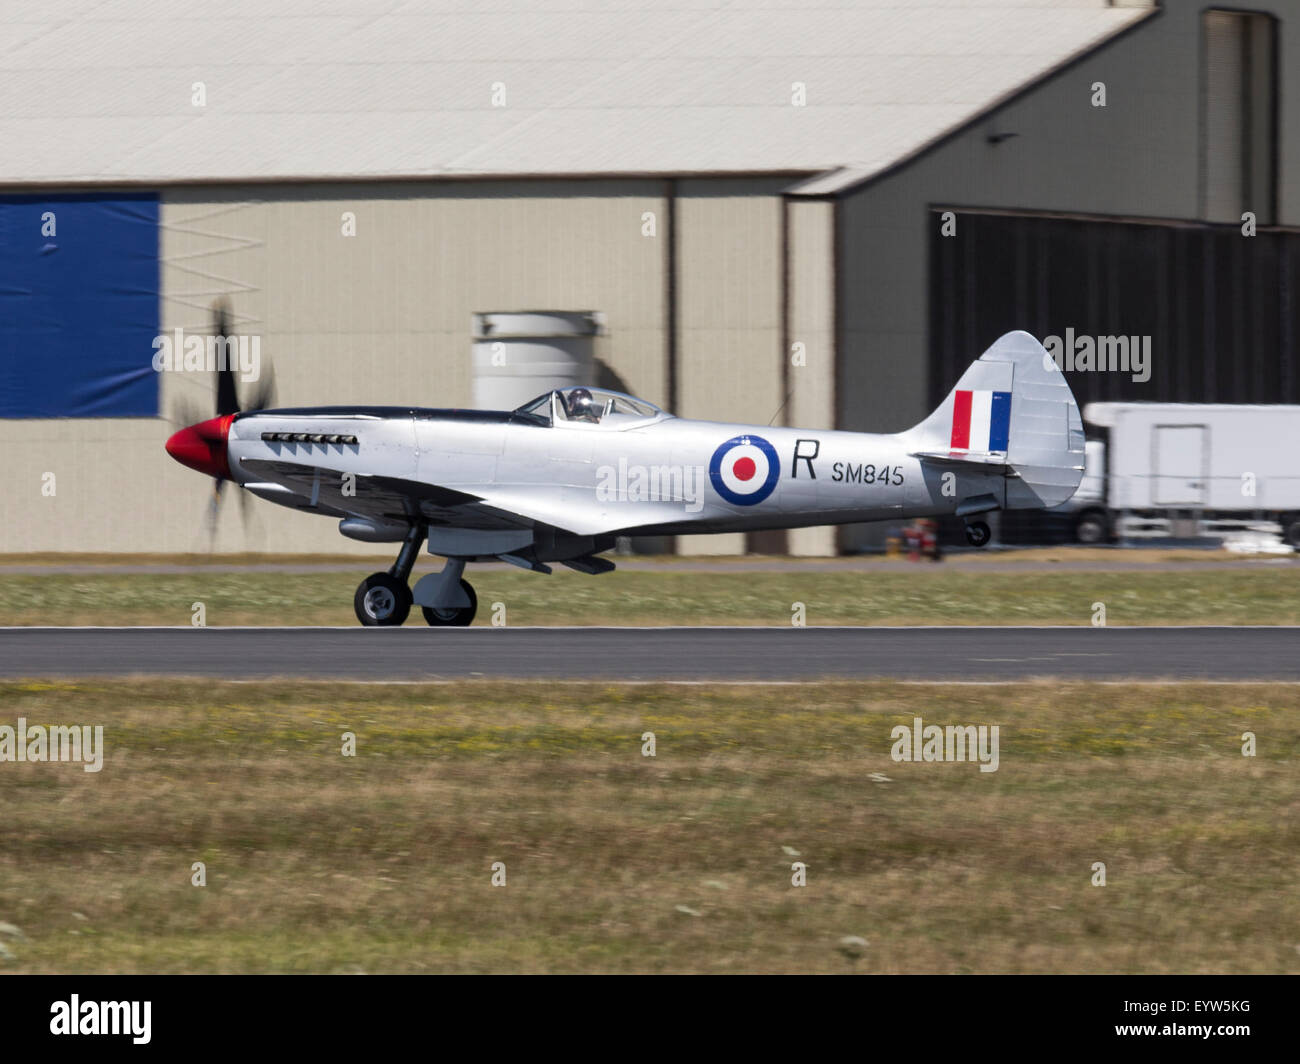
(203, 446)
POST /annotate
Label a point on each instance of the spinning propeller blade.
(202, 445)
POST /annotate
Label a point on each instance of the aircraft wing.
(383, 498)
(320, 490)
(574, 510)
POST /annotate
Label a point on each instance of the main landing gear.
(446, 599)
(978, 534)
(382, 600)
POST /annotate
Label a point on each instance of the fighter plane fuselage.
(668, 475)
(562, 477)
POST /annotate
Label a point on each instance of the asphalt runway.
(648, 654)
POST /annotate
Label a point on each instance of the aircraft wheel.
(977, 534)
(382, 601)
(456, 616)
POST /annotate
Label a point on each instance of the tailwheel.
(978, 534)
(453, 616)
(382, 601)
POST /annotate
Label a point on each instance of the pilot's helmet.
(582, 405)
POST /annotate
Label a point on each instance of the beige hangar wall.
(811, 252)
(384, 317)
(729, 311)
(380, 317)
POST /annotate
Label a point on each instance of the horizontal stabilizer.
(989, 461)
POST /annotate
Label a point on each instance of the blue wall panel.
(79, 309)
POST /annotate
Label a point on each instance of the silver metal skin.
(560, 479)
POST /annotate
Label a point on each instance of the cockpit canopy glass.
(595, 406)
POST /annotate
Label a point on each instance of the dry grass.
(620, 863)
(898, 594)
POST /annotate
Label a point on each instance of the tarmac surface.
(651, 654)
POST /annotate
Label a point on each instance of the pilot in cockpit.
(580, 406)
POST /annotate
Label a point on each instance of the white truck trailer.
(1161, 469)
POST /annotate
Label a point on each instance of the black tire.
(1092, 528)
(1291, 533)
(978, 534)
(382, 601)
(457, 617)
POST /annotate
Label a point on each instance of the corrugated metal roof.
(102, 92)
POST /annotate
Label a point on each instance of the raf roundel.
(744, 470)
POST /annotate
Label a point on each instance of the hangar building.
(811, 214)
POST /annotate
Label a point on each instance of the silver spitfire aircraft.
(559, 479)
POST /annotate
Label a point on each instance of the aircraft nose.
(203, 446)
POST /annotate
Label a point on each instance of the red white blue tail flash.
(981, 421)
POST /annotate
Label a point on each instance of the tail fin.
(1012, 411)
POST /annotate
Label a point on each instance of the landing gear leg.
(978, 534)
(384, 599)
(401, 569)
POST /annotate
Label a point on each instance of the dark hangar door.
(1221, 310)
